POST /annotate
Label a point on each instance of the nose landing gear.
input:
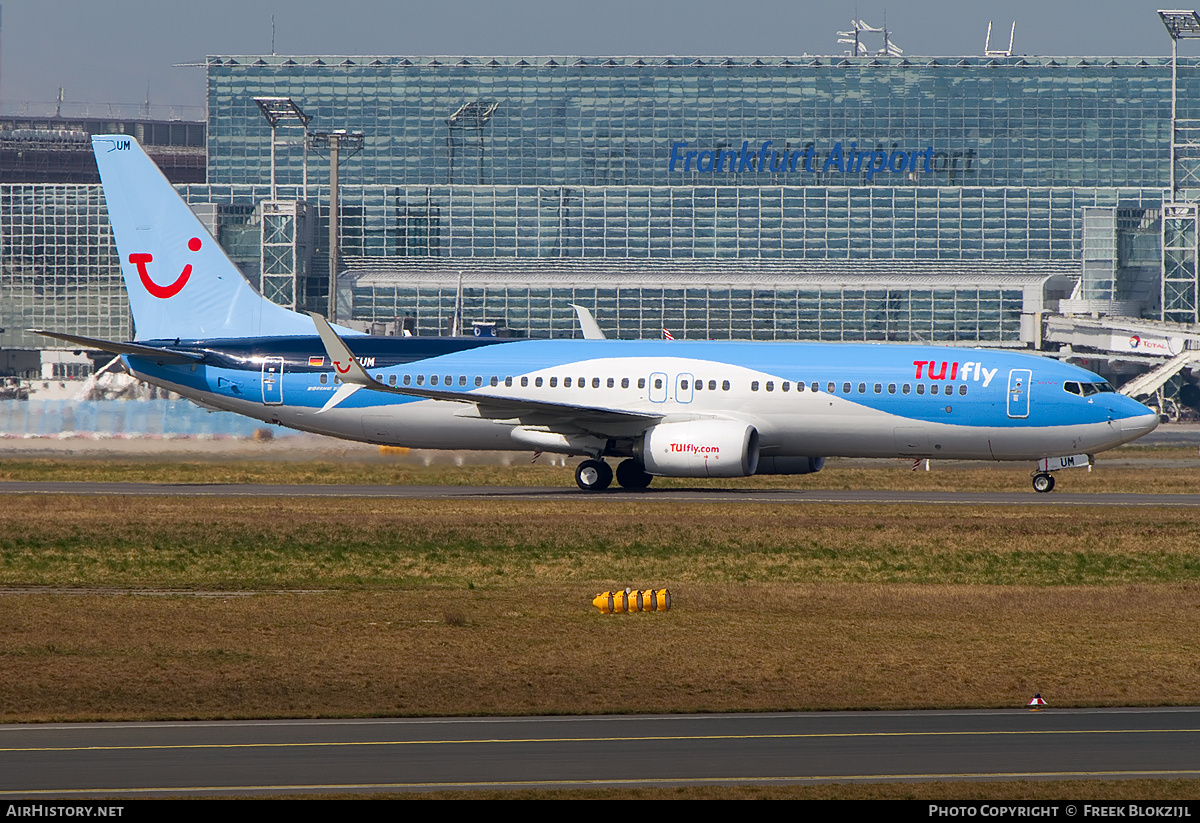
(1043, 482)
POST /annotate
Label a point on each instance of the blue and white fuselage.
(671, 408)
(802, 399)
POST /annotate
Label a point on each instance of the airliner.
(701, 409)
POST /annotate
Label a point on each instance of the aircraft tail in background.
(180, 283)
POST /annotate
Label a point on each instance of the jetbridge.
(1156, 350)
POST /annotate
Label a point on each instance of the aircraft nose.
(1137, 425)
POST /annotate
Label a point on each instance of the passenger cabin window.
(566, 382)
(879, 388)
(479, 381)
(624, 382)
(658, 383)
(891, 388)
(920, 388)
(462, 380)
(407, 379)
(815, 387)
(537, 382)
(641, 382)
(420, 379)
(753, 385)
(770, 385)
(596, 382)
(712, 385)
(724, 385)
(785, 386)
(862, 388)
(391, 379)
(962, 390)
(324, 378)
(433, 379)
(554, 382)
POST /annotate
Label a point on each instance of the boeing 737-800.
(666, 408)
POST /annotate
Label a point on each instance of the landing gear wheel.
(1043, 482)
(593, 475)
(632, 475)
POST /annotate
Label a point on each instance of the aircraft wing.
(136, 349)
(355, 377)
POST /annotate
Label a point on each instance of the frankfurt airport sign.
(838, 159)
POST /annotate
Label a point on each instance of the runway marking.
(641, 781)
(647, 739)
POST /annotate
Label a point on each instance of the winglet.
(351, 373)
(587, 323)
(348, 368)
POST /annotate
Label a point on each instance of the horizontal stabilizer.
(135, 349)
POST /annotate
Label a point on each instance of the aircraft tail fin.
(180, 283)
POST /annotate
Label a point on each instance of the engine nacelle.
(790, 465)
(701, 448)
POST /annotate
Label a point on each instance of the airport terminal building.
(955, 200)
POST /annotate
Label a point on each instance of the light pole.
(276, 109)
(1179, 296)
(337, 142)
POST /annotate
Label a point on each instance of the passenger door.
(1018, 392)
(272, 381)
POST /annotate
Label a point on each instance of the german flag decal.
(316, 361)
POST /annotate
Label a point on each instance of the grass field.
(295, 607)
(1127, 469)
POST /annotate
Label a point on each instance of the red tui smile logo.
(163, 292)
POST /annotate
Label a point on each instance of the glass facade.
(58, 265)
(706, 311)
(555, 121)
(990, 164)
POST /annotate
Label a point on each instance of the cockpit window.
(1087, 389)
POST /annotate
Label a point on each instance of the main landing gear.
(593, 475)
(596, 475)
(633, 475)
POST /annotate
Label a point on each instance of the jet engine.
(790, 465)
(701, 448)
